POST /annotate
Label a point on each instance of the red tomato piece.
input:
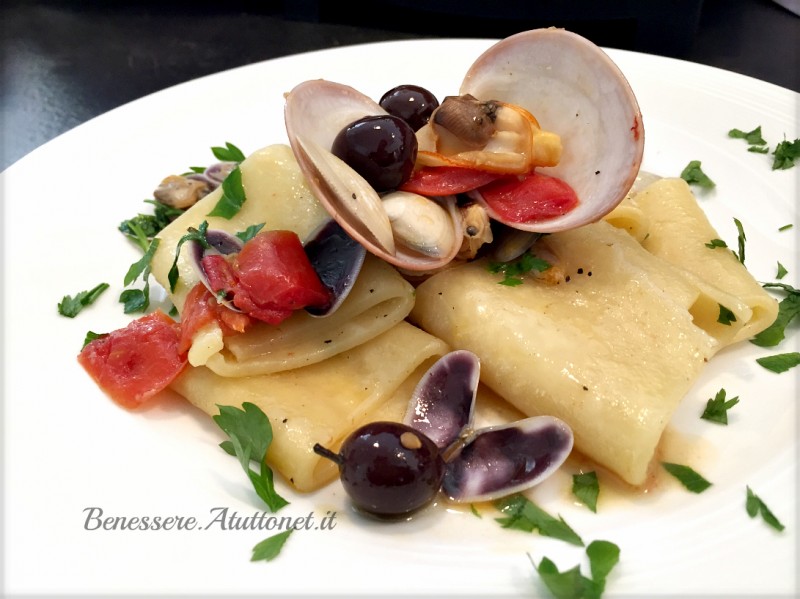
(446, 180)
(530, 198)
(134, 363)
(270, 278)
(201, 308)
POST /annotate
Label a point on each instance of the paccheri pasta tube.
(614, 336)
(316, 378)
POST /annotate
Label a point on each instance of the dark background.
(66, 62)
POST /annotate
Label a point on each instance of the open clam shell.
(315, 112)
(501, 460)
(575, 90)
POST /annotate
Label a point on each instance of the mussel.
(543, 105)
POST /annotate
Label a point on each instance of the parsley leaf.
(693, 174)
(522, 514)
(268, 549)
(741, 239)
(233, 196)
(717, 408)
(143, 227)
(716, 243)
(687, 477)
(138, 300)
(753, 138)
(788, 309)
(71, 306)
(230, 153)
(514, 269)
(785, 227)
(250, 434)
(780, 362)
(754, 506)
(782, 272)
(586, 488)
(250, 232)
(192, 234)
(571, 584)
(91, 336)
(786, 153)
(726, 316)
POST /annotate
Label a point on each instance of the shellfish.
(544, 105)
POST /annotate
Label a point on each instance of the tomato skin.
(530, 198)
(136, 362)
(446, 180)
(270, 278)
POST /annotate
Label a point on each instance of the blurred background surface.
(65, 62)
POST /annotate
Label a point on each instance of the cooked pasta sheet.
(315, 378)
(610, 340)
(323, 402)
(678, 231)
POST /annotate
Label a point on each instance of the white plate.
(69, 448)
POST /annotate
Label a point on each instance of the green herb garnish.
(192, 234)
(716, 243)
(138, 300)
(268, 549)
(514, 269)
(230, 153)
(693, 174)
(91, 336)
(755, 506)
(780, 362)
(687, 477)
(586, 488)
(741, 239)
(233, 196)
(250, 434)
(785, 154)
(571, 584)
(522, 514)
(143, 227)
(785, 227)
(250, 232)
(717, 408)
(726, 316)
(70, 306)
(782, 272)
(788, 309)
(753, 138)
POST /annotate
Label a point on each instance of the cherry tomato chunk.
(531, 198)
(270, 278)
(446, 180)
(134, 363)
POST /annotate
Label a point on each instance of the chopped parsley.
(782, 272)
(753, 138)
(70, 306)
(250, 232)
(726, 316)
(687, 477)
(755, 506)
(233, 196)
(717, 408)
(571, 584)
(522, 514)
(230, 153)
(741, 239)
(780, 362)
(250, 434)
(785, 227)
(91, 336)
(693, 174)
(268, 549)
(143, 227)
(514, 269)
(586, 488)
(138, 300)
(785, 154)
(788, 309)
(192, 234)
(716, 243)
